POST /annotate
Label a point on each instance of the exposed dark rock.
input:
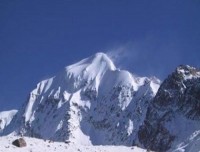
(179, 94)
(19, 142)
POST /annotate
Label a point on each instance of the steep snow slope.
(39, 145)
(90, 103)
(5, 118)
(173, 117)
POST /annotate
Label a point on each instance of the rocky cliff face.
(174, 114)
(90, 103)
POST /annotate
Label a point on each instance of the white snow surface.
(40, 145)
(5, 118)
(88, 103)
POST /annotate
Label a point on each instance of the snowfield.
(40, 145)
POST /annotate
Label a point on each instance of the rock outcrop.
(19, 142)
(174, 113)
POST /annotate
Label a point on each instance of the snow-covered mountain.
(173, 117)
(90, 103)
(94, 103)
(5, 118)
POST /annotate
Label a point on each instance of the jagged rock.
(175, 106)
(19, 142)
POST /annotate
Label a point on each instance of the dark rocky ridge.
(179, 94)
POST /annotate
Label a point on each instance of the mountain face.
(5, 118)
(89, 103)
(173, 117)
(94, 103)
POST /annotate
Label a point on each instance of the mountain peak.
(91, 67)
(100, 54)
(89, 102)
(188, 72)
(102, 57)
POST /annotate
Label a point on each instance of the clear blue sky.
(40, 37)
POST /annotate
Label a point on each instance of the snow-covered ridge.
(90, 103)
(5, 118)
(100, 60)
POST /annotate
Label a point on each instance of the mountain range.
(92, 102)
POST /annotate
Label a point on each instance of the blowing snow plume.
(122, 55)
